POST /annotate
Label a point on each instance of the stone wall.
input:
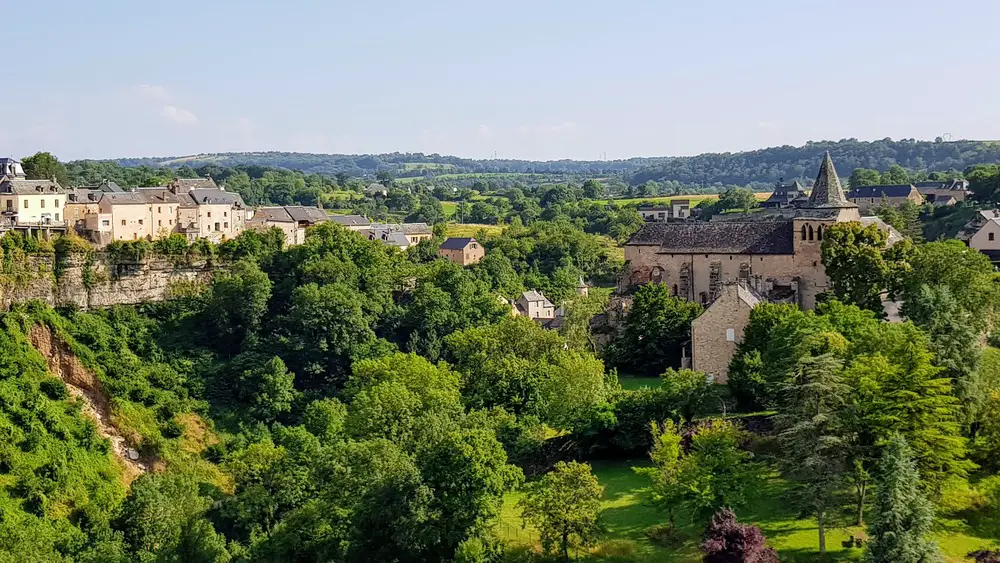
(711, 347)
(76, 280)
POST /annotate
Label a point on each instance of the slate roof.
(123, 198)
(207, 196)
(387, 236)
(350, 220)
(406, 228)
(305, 214)
(159, 195)
(943, 185)
(456, 243)
(272, 214)
(826, 190)
(21, 186)
(894, 235)
(896, 190)
(84, 195)
(197, 183)
(726, 237)
(784, 194)
(532, 296)
(106, 186)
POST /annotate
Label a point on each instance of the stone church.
(775, 252)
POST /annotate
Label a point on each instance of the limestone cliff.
(95, 281)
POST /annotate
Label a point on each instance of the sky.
(540, 79)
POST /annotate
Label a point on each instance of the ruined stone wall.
(95, 281)
(698, 276)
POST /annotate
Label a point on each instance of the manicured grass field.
(625, 518)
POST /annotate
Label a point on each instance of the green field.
(625, 517)
(472, 229)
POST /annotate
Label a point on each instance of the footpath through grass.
(625, 517)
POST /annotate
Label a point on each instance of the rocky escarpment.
(84, 385)
(89, 281)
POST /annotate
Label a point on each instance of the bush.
(54, 389)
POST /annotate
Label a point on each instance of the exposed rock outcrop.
(96, 282)
(83, 384)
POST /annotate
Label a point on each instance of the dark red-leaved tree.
(728, 541)
(984, 556)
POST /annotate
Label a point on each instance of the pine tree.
(903, 516)
(812, 436)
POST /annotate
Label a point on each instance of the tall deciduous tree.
(563, 505)
(655, 328)
(856, 261)
(901, 525)
(45, 166)
(812, 436)
(864, 177)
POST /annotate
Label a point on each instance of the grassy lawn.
(625, 518)
(632, 383)
(472, 229)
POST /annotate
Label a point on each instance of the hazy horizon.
(523, 80)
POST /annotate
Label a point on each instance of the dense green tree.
(895, 175)
(967, 273)
(903, 517)
(45, 166)
(563, 506)
(237, 302)
(736, 199)
(857, 263)
(593, 189)
(714, 473)
(984, 181)
(812, 437)
(654, 329)
(864, 177)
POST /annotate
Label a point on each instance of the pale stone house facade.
(869, 197)
(717, 332)
(28, 203)
(535, 306)
(463, 251)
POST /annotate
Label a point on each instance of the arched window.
(657, 274)
(819, 232)
(673, 290)
(803, 232)
(810, 232)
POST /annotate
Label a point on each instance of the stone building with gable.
(776, 252)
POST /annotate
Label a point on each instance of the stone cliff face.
(96, 281)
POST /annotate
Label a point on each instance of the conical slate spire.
(826, 192)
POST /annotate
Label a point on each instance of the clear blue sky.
(540, 79)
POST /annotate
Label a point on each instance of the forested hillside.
(760, 167)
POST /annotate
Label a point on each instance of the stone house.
(129, 215)
(351, 222)
(717, 332)
(678, 209)
(293, 220)
(948, 192)
(784, 195)
(775, 252)
(869, 197)
(30, 203)
(535, 306)
(462, 250)
(219, 215)
(983, 233)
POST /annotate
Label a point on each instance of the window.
(105, 223)
(730, 335)
(10, 205)
(217, 227)
(209, 213)
(803, 232)
(140, 221)
(159, 210)
(25, 204)
(225, 214)
(992, 236)
(170, 221)
(123, 222)
(56, 202)
(57, 216)
(225, 225)
(810, 232)
(159, 222)
(819, 233)
(43, 203)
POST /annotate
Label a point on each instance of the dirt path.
(82, 384)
